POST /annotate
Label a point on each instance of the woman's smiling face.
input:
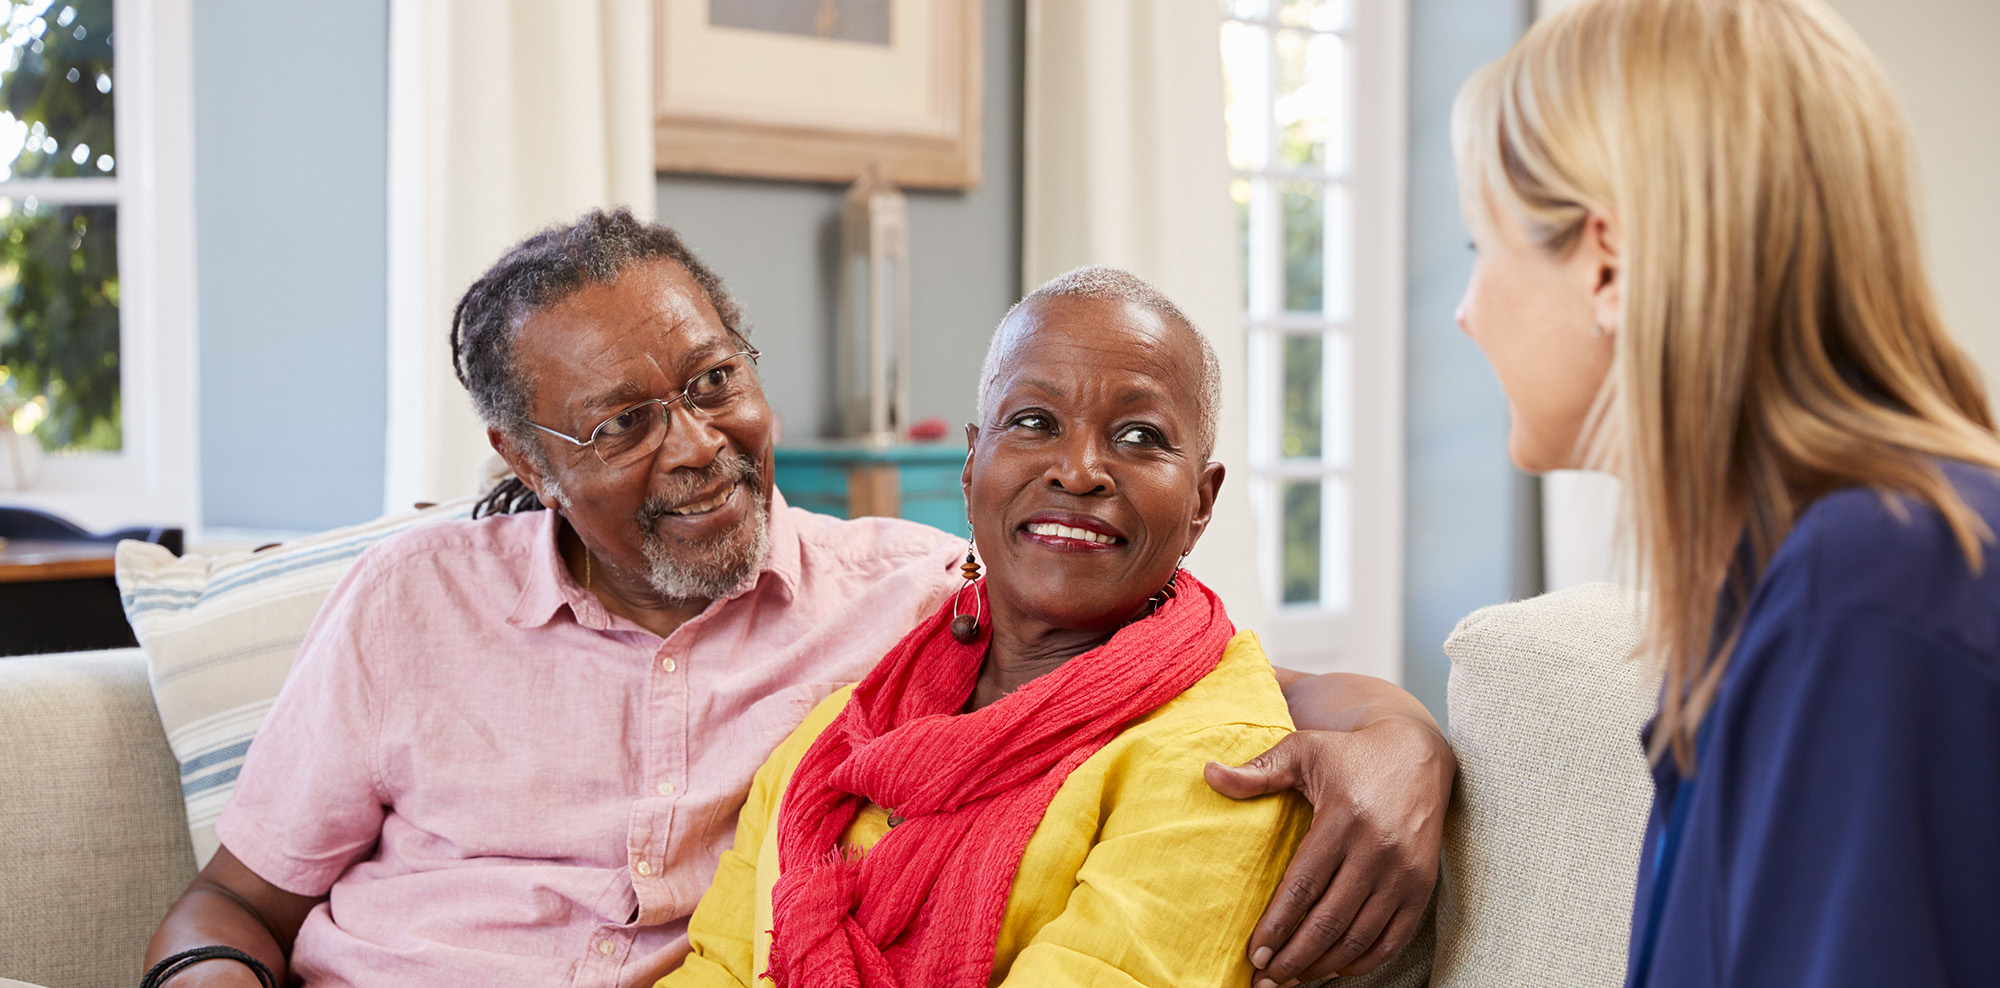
(1086, 481)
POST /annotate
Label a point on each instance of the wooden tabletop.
(29, 560)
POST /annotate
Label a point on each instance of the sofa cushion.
(90, 813)
(220, 634)
(1542, 841)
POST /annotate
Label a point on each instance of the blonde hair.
(1778, 338)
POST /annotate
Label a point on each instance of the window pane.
(1320, 15)
(55, 90)
(1301, 549)
(1304, 401)
(1305, 245)
(59, 322)
(1239, 192)
(1311, 105)
(1246, 96)
(1251, 9)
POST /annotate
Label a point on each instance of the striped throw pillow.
(220, 634)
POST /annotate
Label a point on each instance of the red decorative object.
(929, 430)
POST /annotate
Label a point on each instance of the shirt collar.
(549, 587)
(782, 562)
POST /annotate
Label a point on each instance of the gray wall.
(1472, 538)
(776, 245)
(291, 173)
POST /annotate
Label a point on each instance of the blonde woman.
(1698, 270)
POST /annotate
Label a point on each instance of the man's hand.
(1357, 889)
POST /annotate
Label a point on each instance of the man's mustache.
(685, 483)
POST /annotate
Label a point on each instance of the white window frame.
(1366, 634)
(154, 478)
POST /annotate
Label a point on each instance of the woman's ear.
(965, 475)
(1600, 246)
(1205, 491)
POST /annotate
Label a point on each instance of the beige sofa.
(1542, 841)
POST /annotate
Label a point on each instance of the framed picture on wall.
(819, 89)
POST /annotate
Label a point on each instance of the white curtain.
(505, 116)
(1124, 163)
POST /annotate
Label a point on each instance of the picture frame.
(819, 90)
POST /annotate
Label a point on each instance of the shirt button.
(666, 788)
(667, 664)
(643, 868)
(605, 947)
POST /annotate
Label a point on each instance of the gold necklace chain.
(586, 567)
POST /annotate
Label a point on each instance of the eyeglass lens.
(637, 431)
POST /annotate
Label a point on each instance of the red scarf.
(922, 908)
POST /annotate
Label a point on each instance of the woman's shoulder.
(1238, 702)
(1862, 551)
(1872, 518)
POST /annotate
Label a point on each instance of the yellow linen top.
(1139, 873)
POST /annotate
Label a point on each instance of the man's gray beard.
(707, 569)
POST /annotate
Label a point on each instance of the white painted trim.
(68, 191)
(408, 256)
(1368, 637)
(156, 478)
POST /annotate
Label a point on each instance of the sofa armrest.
(1542, 841)
(90, 816)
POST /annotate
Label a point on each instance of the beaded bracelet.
(174, 965)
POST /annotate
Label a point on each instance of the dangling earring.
(1159, 599)
(965, 627)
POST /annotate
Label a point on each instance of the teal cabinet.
(851, 479)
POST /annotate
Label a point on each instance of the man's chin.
(714, 566)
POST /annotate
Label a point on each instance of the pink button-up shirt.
(500, 783)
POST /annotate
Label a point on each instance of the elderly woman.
(1013, 794)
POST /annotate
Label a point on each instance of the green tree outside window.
(59, 338)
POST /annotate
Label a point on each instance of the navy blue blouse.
(1842, 826)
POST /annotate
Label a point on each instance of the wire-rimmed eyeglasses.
(637, 431)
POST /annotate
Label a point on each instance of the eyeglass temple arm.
(566, 437)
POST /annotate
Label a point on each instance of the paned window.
(1289, 85)
(59, 203)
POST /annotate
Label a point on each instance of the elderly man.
(512, 750)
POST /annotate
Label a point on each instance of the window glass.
(1287, 96)
(1305, 246)
(55, 91)
(59, 339)
(1310, 111)
(1320, 15)
(1246, 101)
(1305, 404)
(1301, 550)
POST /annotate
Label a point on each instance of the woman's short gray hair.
(1102, 283)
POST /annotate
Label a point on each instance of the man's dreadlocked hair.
(539, 272)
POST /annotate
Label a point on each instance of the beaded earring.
(1159, 598)
(965, 627)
